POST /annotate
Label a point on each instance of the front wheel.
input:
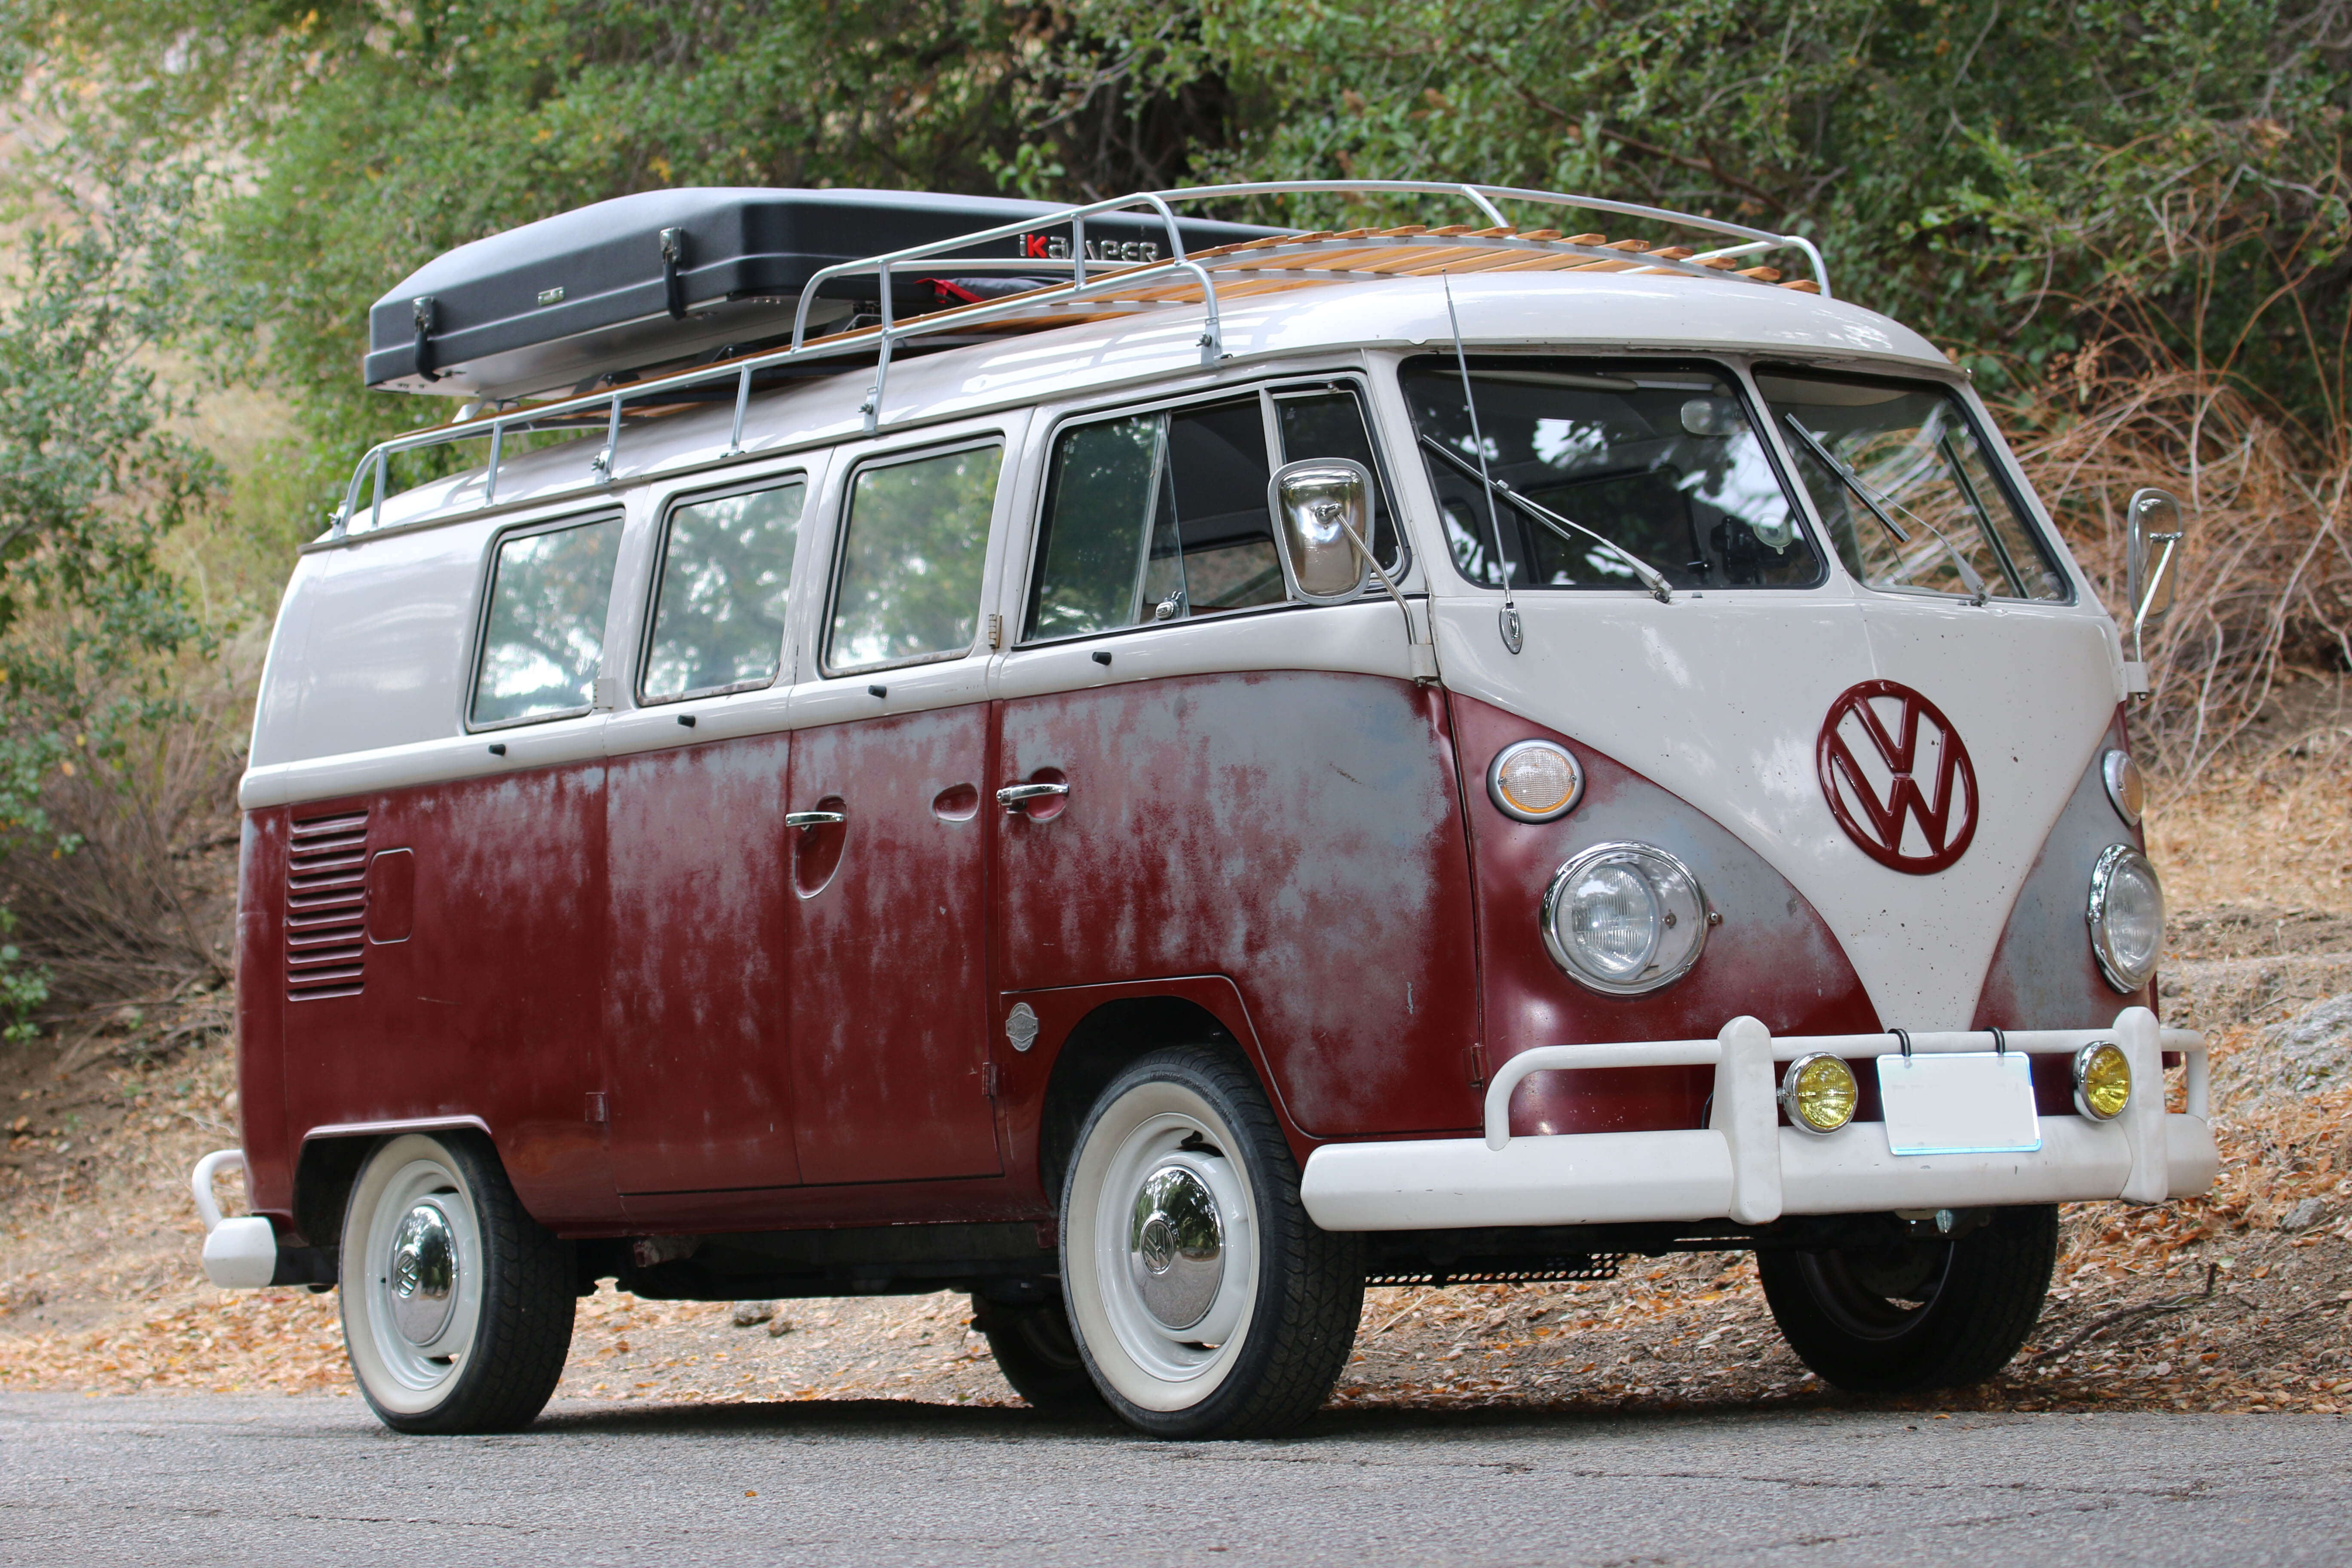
(1916, 1315)
(1205, 1300)
(458, 1305)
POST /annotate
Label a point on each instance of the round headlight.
(2127, 915)
(1818, 1093)
(1534, 781)
(2102, 1081)
(2127, 791)
(1624, 919)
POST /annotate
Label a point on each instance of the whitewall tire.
(457, 1305)
(1203, 1300)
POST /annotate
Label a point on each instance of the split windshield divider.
(570, 412)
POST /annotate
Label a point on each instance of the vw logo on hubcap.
(1176, 1246)
(422, 1279)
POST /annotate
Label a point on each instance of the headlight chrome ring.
(1624, 919)
(2102, 1080)
(1534, 781)
(1818, 1093)
(2125, 912)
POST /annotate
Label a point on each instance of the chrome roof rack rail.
(1179, 280)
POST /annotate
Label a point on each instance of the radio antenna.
(1507, 622)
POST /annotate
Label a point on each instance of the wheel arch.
(333, 1157)
(1103, 1043)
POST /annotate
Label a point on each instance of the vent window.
(326, 906)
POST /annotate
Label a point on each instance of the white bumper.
(1744, 1167)
(239, 1253)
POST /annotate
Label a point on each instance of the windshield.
(1662, 462)
(1907, 490)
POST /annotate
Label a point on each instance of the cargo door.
(889, 897)
(697, 1009)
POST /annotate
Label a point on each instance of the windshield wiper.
(1567, 528)
(1871, 498)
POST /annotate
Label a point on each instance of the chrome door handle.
(812, 819)
(1011, 795)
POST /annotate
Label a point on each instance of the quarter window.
(719, 612)
(544, 636)
(1161, 516)
(913, 543)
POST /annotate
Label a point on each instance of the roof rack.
(1275, 263)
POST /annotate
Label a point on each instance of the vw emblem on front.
(1898, 777)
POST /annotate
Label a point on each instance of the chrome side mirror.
(1323, 517)
(2152, 558)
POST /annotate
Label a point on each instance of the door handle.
(813, 818)
(1011, 797)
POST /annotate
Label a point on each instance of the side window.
(544, 635)
(1331, 424)
(1157, 516)
(914, 536)
(719, 611)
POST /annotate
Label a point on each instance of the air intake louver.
(326, 906)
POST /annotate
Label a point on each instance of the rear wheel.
(1037, 1355)
(1203, 1300)
(456, 1304)
(1916, 1315)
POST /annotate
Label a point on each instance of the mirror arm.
(1379, 576)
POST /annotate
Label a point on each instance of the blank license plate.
(1977, 1103)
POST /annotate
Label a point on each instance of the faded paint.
(888, 969)
(696, 1039)
(1298, 832)
(1773, 955)
(2043, 974)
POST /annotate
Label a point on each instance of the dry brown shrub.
(2266, 579)
(135, 906)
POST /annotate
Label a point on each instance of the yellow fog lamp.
(1818, 1092)
(2102, 1082)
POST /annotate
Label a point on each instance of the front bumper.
(1744, 1167)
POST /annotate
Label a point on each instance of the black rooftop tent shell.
(664, 276)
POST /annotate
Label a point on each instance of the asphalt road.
(255, 1482)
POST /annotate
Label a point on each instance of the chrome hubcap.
(422, 1275)
(1176, 1246)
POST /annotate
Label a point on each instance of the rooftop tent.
(664, 276)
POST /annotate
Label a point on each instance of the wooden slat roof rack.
(1097, 292)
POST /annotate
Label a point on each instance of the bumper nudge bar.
(1744, 1167)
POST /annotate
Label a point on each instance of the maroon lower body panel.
(1773, 955)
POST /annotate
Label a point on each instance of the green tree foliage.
(2018, 177)
(92, 476)
(2015, 176)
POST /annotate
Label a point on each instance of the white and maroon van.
(1157, 782)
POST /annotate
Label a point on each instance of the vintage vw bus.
(1158, 775)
